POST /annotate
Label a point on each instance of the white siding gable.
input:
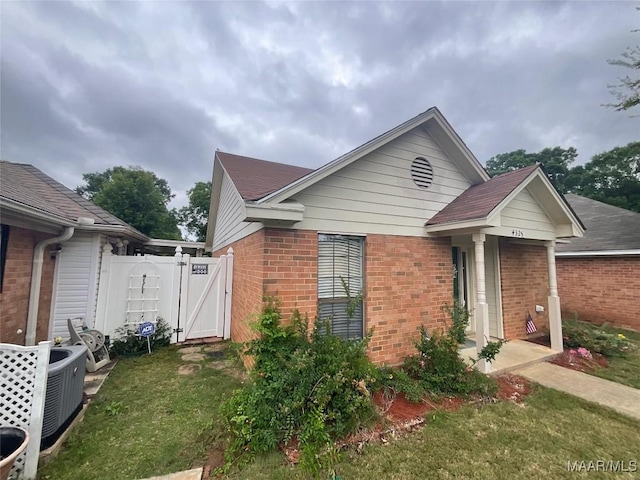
(231, 213)
(524, 212)
(376, 193)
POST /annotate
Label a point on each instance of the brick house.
(411, 220)
(51, 244)
(599, 274)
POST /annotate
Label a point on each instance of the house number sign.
(199, 269)
(517, 233)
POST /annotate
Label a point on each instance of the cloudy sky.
(88, 85)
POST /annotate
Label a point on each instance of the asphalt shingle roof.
(255, 178)
(26, 185)
(607, 227)
(479, 200)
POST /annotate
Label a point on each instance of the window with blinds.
(340, 264)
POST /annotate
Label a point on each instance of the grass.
(625, 370)
(146, 420)
(501, 440)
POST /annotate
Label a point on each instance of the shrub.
(392, 381)
(597, 340)
(311, 387)
(130, 343)
(438, 364)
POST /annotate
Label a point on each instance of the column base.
(482, 335)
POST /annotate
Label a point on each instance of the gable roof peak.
(478, 201)
(255, 178)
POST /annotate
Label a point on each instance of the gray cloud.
(86, 86)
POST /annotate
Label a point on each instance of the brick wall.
(272, 262)
(14, 300)
(408, 280)
(525, 284)
(600, 289)
(291, 269)
(247, 283)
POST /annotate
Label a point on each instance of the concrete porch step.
(513, 355)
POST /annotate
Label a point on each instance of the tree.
(612, 177)
(627, 92)
(195, 216)
(555, 162)
(135, 196)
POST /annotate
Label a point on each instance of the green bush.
(596, 340)
(130, 343)
(313, 387)
(392, 381)
(438, 364)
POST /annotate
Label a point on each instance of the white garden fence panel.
(23, 383)
(192, 294)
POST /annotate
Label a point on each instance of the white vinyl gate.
(192, 294)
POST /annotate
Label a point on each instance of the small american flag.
(531, 327)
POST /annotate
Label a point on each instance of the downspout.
(36, 278)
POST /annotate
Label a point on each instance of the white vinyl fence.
(192, 294)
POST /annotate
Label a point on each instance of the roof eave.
(122, 230)
(36, 214)
(599, 253)
(448, 227)
(216, 187)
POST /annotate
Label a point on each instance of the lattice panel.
(22, 388)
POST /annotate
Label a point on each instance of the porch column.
(555, 318)
(482, 308)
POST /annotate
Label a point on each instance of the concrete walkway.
(194, 474)
(622, 399)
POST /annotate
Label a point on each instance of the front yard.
(148, 420)
(624, 370)
(612, 353)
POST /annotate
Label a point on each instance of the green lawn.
(502, 440)
(625, 370)
(146, 421)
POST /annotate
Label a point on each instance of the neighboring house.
(412, 220)
(599, 274)
(51, 244)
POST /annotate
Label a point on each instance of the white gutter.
(36, 278)
(599, 253)
(34, 213)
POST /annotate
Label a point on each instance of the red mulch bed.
(512, 387)
(402, 416)
(399, 409)
(544, 340)
(572, 361)
(576, 362)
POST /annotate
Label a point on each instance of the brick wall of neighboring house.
(408, 280)
(525, 284)
(14, 300)
(600, 289)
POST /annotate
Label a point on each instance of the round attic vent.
(422, 172)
